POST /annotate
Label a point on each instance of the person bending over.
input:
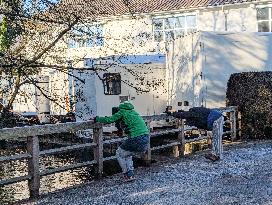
(210, 120)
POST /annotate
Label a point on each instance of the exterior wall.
(27, 100)
(127, 36)
(149, 103)
(238, 19)
(228, 53)
(184, 67)
(122, 37)
(59, 90)
(203, 62)
(84, 95)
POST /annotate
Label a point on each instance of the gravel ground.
(244, 176)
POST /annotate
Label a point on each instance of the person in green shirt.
(138, 136)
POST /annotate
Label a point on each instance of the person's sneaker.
(129, 176)
(212, 157)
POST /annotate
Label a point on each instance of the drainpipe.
(167, 73)
(193, 69)
(226, 12)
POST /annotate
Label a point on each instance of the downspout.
(226, 12)
(193, 69)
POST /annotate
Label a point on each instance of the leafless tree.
(35, 37)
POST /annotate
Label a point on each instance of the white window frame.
(186, 28)
(269, 6)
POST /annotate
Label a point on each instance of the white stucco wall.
(135, 35)
(84, 94)
(238, 19)
(228, 53)
(152, 102)
(215, 56)
(122, 37)
(26, 100)
(184, 67)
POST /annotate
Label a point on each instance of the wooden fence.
(33, 154)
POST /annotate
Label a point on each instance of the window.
(112, 83)
(186, 103)
(86, 36)
(166, 29)
(264, 17)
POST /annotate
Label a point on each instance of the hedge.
(252, 93)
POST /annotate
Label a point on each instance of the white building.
(164, 47)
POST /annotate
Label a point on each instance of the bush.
(252, 93)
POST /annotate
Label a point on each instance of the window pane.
(179, 33)
(170, 23)
(158, 36)
(181, 22)
(263, 26)
(191, 21)
(78, 30)
(99, 30)
(158, 24)
(191, 30)
(263, 14)
(95, 30)
(99, 41)
(90, 42)
(71, 43)
(81, 43)
(92, 30)
(169, 35)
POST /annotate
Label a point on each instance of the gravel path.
(244, 176)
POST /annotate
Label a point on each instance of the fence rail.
(33, 151)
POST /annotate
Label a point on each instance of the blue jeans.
(131, 147)
(217, 132)
(136, 144)
(213, 116)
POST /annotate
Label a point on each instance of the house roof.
(91, 8)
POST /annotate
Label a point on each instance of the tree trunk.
(15, 92)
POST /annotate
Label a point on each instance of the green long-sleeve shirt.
(135, 124)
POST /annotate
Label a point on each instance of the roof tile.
(120, 7)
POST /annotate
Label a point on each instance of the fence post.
(233, 124)
(98, 150)
(209, 139)
(239, 124)
(147, 157)
(180, 149)
(181, 137)
(33, 166)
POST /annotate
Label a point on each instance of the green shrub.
(252, 93)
